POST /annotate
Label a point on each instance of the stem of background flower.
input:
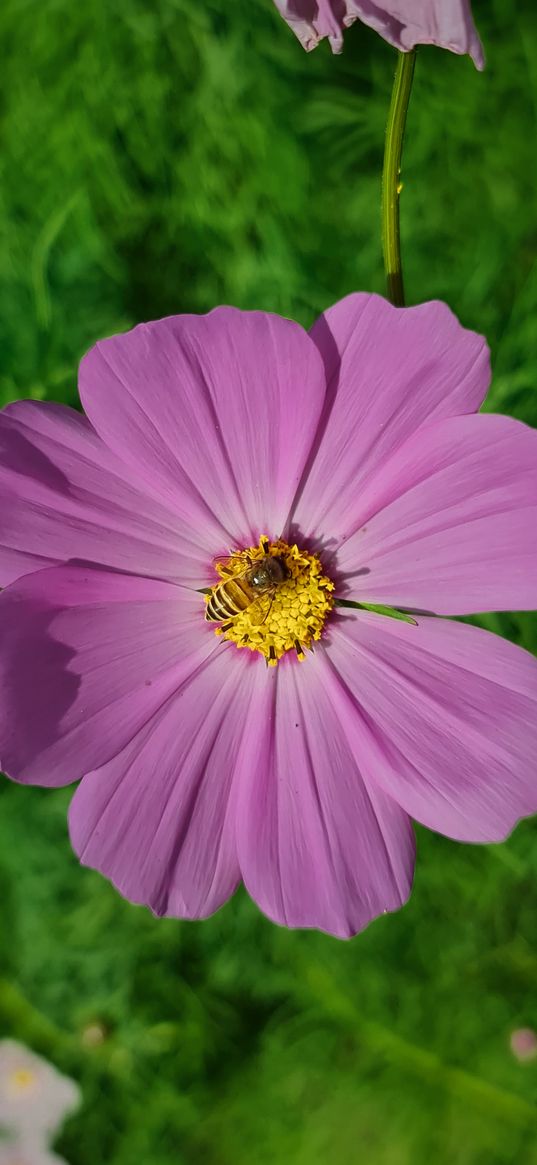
(391, 176)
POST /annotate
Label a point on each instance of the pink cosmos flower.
(34, 1097)
(354, 458)
(523, 1044)
(20, 1153)
(404, 23)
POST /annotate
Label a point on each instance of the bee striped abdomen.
(232, 596)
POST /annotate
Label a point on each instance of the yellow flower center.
(22, 1080)
(271, 607)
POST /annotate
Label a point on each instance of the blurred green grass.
(163, 157)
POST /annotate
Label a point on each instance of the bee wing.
(225, 557)
(259, 609)
(224, 561)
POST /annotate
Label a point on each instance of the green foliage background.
(162, 156)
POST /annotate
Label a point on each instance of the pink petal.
(451, 713)
(157, 820)
(317, 846)
(312, 20)
(34, 1111)
(216, 413)
(88, 657)
(450, 26)
(450, 522)
(65, 496)
(404, 23)
(390, 371)
(27, 1152)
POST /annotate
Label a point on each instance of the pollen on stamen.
(287, 615)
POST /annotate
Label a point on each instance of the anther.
(299, 652)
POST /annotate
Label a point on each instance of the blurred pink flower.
(523, 1043)
(355, 446)
(34, 1097)
(404, 23)
(27, 1153)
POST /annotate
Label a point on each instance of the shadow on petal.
(37, 686)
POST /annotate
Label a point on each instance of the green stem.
(391, 176)
(407, 1056)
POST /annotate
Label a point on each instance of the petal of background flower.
(317, 846)
(88, 657)
(35, 1110)
(24, 1152)
(216, 413)
(157, 820)
(404, 23)
(452, 717)
(389, 371)
(65, 496)
(449, 525)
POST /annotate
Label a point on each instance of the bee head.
(268, 572)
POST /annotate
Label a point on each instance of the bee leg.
(222, 628)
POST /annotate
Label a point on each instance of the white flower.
(21, 1153)
(34, 1097)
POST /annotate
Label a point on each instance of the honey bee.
(236, 594)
